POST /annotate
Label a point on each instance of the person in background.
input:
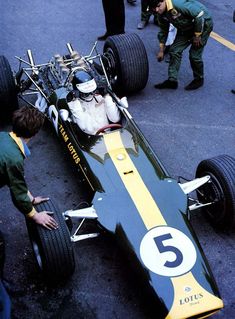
(91, 111)
(114, 13)
(26, 122)
(194, 25)
(146, 12)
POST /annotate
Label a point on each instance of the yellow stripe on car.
(133, 182)
(185, 299)
(152, 217)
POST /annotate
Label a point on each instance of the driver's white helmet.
(85, 84)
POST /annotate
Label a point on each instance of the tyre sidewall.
(52, 248)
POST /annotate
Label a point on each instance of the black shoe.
(168, 84)
(103, 37)
(195, 84)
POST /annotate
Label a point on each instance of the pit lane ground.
(182, 127)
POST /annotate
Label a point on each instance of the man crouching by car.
(26, 122)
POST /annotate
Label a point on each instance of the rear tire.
(8, 92)
(126, 61)
(52, 248)
(220, 190)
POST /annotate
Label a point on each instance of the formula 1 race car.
(129, 192)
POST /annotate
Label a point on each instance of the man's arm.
(111, 108)
(162, 37)
(198, 12)
(19, 189)
(22, 198)
(81, 118)
(164, 25)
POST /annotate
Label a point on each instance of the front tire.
(8, 92)
(126, 63)
(52, 248)
(220, 190)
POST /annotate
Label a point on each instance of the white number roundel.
(167, 251)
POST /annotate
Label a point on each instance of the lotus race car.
(130, 194)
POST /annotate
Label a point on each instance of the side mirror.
(64, 114)
(124, 102)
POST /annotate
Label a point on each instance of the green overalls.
(12, 154)
(191, 18)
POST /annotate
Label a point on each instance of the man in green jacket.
(26, 122)
(194, 25)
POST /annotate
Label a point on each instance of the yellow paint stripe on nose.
(205, 301)
(223, 41)
(152, 217)
(133, 182)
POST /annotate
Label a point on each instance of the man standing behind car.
(194, 25)
(114, 13)
(26, 122)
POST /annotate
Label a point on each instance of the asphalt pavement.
(182, 127)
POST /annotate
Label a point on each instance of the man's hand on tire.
(44, 219)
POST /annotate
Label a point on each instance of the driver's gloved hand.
(102, 88)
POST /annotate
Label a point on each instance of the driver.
(89, 110)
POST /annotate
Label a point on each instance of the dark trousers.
(114, 12)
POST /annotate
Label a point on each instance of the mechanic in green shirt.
(194, 25)
(26, 122)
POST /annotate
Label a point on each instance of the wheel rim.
(110, 56)
(212, 192)
(37, 253)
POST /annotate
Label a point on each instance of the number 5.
(168, 248)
